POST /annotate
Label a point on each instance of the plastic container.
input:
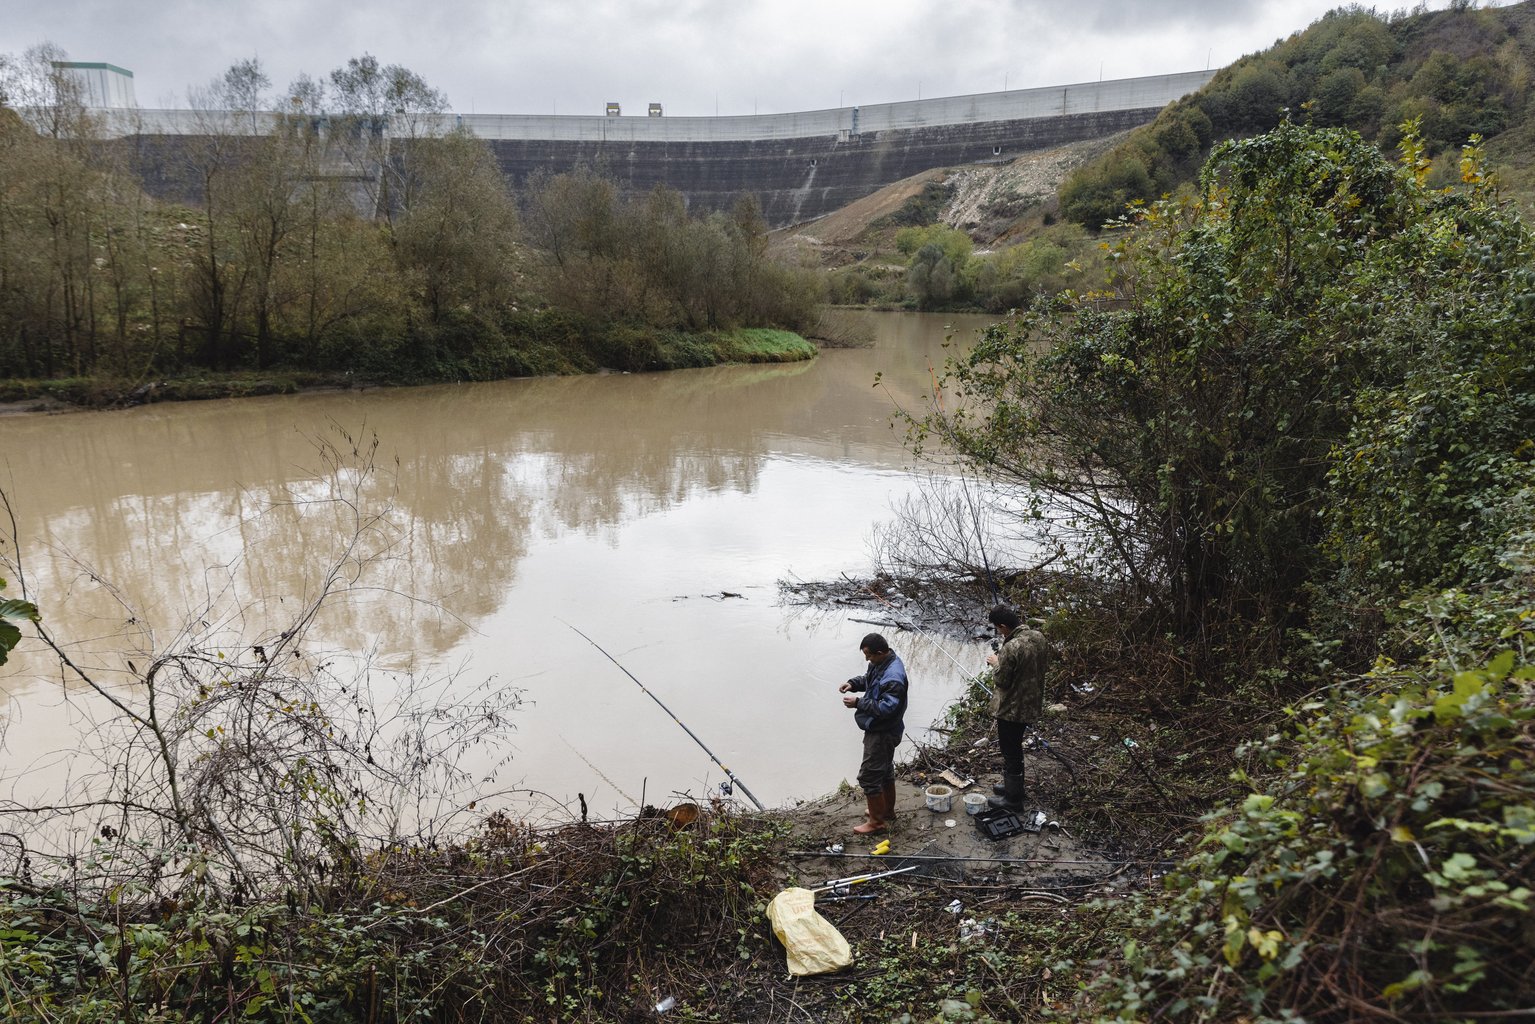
(938, 798)
(975, 803)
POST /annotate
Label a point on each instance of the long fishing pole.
(733, 780)
(1108, 862)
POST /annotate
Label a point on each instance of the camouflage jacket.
(1019, 681)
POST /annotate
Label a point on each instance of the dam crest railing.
(843, 122)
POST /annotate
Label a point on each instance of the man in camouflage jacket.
(1018, 697)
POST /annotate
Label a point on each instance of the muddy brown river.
(655, 513)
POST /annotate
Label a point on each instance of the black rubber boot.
(1001, 788)
(1011, 793)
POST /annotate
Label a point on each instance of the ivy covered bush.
(1380, 870)
(1302, 442)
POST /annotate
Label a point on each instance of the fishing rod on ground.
(732, 775)
(935, 859)
(843, 883)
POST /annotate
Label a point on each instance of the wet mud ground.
(1063, 861)
(946, 910)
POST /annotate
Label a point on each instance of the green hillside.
(1459, 72)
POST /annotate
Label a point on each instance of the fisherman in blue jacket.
(880, 710)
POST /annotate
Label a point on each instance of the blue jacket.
(882, 708)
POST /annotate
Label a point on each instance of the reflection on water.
(629, 506)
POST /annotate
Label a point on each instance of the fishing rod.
(928, 858)
(843, 883)
(734, 781)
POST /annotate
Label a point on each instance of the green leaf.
(1257, 803)
(1415, 980)
(1375, 784)
(1452, 705)
(1236, 939)
(1266, 943)
(12, 615)
(1459, 867)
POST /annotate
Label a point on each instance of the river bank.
(538, 353)
(660, 913)
(592, 918)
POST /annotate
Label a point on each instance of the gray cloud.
(695, 56)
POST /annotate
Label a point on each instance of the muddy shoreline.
(1076, 743)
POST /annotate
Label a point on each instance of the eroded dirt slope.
(987, 200)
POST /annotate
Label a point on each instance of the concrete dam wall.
(799, 179)
(799, 165)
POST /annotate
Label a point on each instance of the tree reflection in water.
(618, 502)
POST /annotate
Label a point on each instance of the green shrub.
(1315, 419)
(921, 209)
(1380, 865)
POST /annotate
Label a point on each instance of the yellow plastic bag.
(814, 945)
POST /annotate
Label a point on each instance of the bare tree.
(241, 761)
(956, 528)
(247, 185)
(50, 99)
(53, 207)
(377, 104)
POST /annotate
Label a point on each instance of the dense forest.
(318, 242)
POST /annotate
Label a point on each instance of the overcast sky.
(693, 56)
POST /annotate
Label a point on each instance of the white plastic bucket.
(975, 803)
(938, 798)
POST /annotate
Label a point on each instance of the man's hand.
(850, 701)
(844, 688)
(991, 659)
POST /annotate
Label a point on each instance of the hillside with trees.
(1457, 73)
